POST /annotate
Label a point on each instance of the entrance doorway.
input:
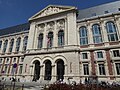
(60, 70)
(36, 71)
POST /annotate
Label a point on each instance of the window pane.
(83, 36)
(25, 43)
(18, 44)
(99, 55)
(111, 31)
(118, 68)
(60, 38)
(0, 44)
(97, 38)
(11, 45)
(50, 39)
(86, 69)
(116, 53)
(5, 46)
(20, 69)
(84, 55)
(101, 69)
(40, 41)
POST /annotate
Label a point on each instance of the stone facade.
(61, 46)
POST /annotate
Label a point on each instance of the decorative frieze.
(61, 24)
(50, 25)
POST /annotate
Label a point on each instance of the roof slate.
(15, 29)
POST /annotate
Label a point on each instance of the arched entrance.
(48, 70)
(36, 70)
(60, 69)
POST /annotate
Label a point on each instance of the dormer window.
(106, 12)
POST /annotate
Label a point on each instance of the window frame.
(83, 37)
(96, 32)
(111, 31)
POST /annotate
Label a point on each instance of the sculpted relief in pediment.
(51, 9)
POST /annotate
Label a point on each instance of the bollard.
(14, 86)
(22, 86)
(10, 85)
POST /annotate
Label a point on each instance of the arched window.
(83, 36)
(25, 43)
(40, 40)
(50, 40)
(60, 69)
(36, 70)
(18, 44)
(48, 70)
(5, 46)
(0, 44)
(111, 31)
(97, 38)
(60, 38)
(11, 45)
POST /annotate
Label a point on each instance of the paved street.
(26, 85)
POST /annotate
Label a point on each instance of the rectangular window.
(0, 44)
(101, 69)
(118, 68)
(20, 69)
(1, 60)
(86, 69)
(84, 56)
(22, 59)
(94, 14)
(116, 53)
(5, 70)
(14, 60)
(99, 54)
(7, 60)
(118, 9)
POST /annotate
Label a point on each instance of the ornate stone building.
(62, 42)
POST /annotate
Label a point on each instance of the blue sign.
(14, 65)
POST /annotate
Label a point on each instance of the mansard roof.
(103, 9)
(15, 29)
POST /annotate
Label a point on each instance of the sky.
(15, 12)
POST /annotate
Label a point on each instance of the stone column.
(53, 73)
(65, 74)
(14, 45)
(117, 20)
(16, 72)
(41, 72)
(8, 46)
(36, 37)
(3, 41)
(1, 46)
(90, 35)
(66, 32)
(45, 37)
(21, 44)
(55, 39)
(104, 32)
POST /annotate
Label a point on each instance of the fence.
(11, 86)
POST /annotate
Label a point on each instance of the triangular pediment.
(51, 9)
